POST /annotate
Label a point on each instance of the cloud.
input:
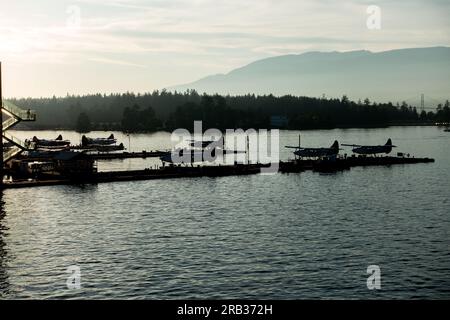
(176, 39)
(117, 62)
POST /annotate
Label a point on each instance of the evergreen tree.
(83, 123)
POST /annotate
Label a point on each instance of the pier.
(186, 171)
(346, 163)
(126, 155)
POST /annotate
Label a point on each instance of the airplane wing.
(351, 145)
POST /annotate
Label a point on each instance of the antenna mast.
(422, 102)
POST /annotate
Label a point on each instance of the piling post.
(247, 147)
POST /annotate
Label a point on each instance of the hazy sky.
(85, 46)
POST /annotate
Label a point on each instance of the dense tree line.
(136, 119)
(164, 110)
(442, 113)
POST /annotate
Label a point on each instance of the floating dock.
(346, 163)
(185, 171)
(130, 155)
(126, 155)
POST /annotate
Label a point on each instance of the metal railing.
(9, 123)
(23, 115)
(24, 145)
(11, 153)
(16, 115)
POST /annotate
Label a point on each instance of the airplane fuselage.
(100, 141)
(52, 143)
(372, 149)
(315, 152)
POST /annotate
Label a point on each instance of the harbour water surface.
(282, 236)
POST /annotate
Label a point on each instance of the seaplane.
(197, 151)
(101, 144)
(333, 150)
(372, 150)
(57, 143)
(86, 141)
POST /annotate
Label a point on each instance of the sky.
(59, 47)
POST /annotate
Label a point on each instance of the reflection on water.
(283, 236)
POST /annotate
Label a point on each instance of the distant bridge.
(430, 104)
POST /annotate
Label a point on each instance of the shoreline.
(284, 129)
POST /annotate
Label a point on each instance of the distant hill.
(394, 75)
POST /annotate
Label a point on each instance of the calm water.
(295, 236)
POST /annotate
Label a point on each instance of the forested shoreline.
(164, 110)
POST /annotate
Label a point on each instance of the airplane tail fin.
(111, 136)
(84, 140)
(389, 146)
(59, 137)
(335, 145)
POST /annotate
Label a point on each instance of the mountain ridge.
(392, 75)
